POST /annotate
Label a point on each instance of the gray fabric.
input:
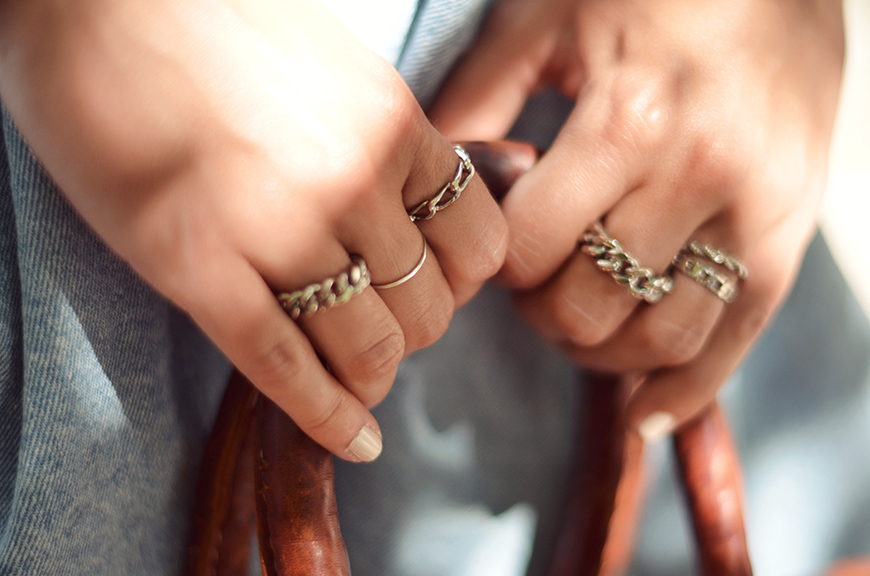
(107, 394)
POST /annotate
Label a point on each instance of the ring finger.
(583, 309)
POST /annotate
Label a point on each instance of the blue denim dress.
(107, 394)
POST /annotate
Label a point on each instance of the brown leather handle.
(223, 514)
(710, 474)
(297, 519)
(257, 457)
(602, 508)
(501, 163)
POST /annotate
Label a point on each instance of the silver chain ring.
(611, 257)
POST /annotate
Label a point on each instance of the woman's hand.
(232, 150)
(705, 121)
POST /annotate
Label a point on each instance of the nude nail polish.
(656, 425)
(367, 445)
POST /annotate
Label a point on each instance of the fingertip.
(668, 400)
(656, 425)
(338, 421)
(367, 445)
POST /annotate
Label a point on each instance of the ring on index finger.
(328, 292)
(449, 193)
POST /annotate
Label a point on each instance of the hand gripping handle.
(257, 459)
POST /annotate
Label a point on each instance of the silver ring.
(464, 173)
(716, 282)
(329, 292)
(612, 258)
(409, 275)
(717, 256)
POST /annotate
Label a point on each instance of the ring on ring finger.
(718, 256)
(691, 262)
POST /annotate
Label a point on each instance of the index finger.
(591, 165)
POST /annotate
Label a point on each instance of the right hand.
(229, 150)
(692, 121)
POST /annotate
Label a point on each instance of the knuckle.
(354, 180)
(378, 360)
(673, 343)
(353, 169)
(275, 364)
(585, 321)
(393, 105)
(328, 419)
(715, 166)
(430, 323)
(638, 114)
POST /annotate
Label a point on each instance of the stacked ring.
(339, 289)
(690, 262)
(612, 258)
(718, 257)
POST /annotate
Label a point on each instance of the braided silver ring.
(410, 274)
(612, 258)
(707, 276)
(694, 261)
(717, 256)
(449, 193)
(329, 292)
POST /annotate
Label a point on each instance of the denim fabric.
(440, 33)
(107, 394)
(478, 437)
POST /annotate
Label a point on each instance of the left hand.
(702, 121)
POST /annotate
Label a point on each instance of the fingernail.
(656, 425)
(367, 445)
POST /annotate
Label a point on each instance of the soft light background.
(845, 215)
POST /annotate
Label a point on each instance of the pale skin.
(693, 120)
(231, 150)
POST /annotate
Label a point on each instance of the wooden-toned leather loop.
(223, 514)
(297, 519)
(710, 474)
